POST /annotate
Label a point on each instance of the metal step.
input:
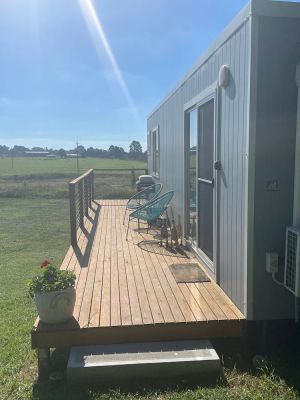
(124, 362)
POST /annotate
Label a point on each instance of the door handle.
(209, 182)
(217, 165)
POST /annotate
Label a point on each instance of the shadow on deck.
(126, 291)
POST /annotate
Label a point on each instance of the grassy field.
(35, 228)
(42, 166)
(32, 178)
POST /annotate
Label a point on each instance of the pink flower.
(45, 263)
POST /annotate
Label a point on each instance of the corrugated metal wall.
(279, 52)
(233, 141)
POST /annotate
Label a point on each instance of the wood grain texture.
(128, 284)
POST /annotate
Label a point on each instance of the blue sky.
(57, 82)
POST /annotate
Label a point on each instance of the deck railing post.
(86, 195)
(132, 177)
(73, 227)
(80, 194)
(92, 187)
(87, 181)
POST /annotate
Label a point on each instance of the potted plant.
(54, 293)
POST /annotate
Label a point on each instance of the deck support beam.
(43, 362)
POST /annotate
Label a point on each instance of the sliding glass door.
(201, 178)
(192, 174)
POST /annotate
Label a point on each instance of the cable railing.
(81, 195)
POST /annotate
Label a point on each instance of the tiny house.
(226, 140)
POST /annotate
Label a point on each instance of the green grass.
(35, 228)
(42, 178)
(32, 229)
(32, 166)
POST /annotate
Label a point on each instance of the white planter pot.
(56, 307)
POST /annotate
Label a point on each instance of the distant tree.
(94, 152)
(116, 152)
(91, 152)
(19, 151)
(81, 150)
(62, 153)
(4, 150)
(135, 150)
(37, 149)
(102, 153)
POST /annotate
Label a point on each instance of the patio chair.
(152, 210)
(143, 197)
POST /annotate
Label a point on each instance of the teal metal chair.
(143, 197)
(152, 210)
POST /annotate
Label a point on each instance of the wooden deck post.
(132, 177)
(81, 211)
(81, 195)
(73, 228)
(92, 187)
(86, 195)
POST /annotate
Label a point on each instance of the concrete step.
(117, 363)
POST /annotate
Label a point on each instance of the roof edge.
(235, 24)
(267, 8)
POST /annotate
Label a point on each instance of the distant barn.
(37, 153)
(72, 155)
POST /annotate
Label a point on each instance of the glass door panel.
(205, 178)
(192, 173)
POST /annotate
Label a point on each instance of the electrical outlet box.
(272, 262)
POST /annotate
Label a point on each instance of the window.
(149, 145)
(155, 152)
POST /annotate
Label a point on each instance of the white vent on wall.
(292, 261)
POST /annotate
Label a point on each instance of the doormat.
(188, 273)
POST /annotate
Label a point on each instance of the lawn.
(43, 178)
(32, 166)
(35, 228)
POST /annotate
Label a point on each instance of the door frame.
(210, 93)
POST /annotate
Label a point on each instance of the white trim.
(149, 166)
(217, 182)
(250, 169)
(192, 248)
(207, 262)
(153, 151)
(201, 98)
(208, 94)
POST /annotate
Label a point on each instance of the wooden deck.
(126, 292)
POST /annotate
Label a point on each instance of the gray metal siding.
(279, 51)
(232, 152)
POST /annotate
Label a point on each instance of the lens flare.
(100, 40)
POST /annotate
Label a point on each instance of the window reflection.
(193, 129)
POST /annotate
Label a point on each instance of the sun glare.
(100, 40)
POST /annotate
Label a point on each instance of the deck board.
(125, 289)
(94, 315)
